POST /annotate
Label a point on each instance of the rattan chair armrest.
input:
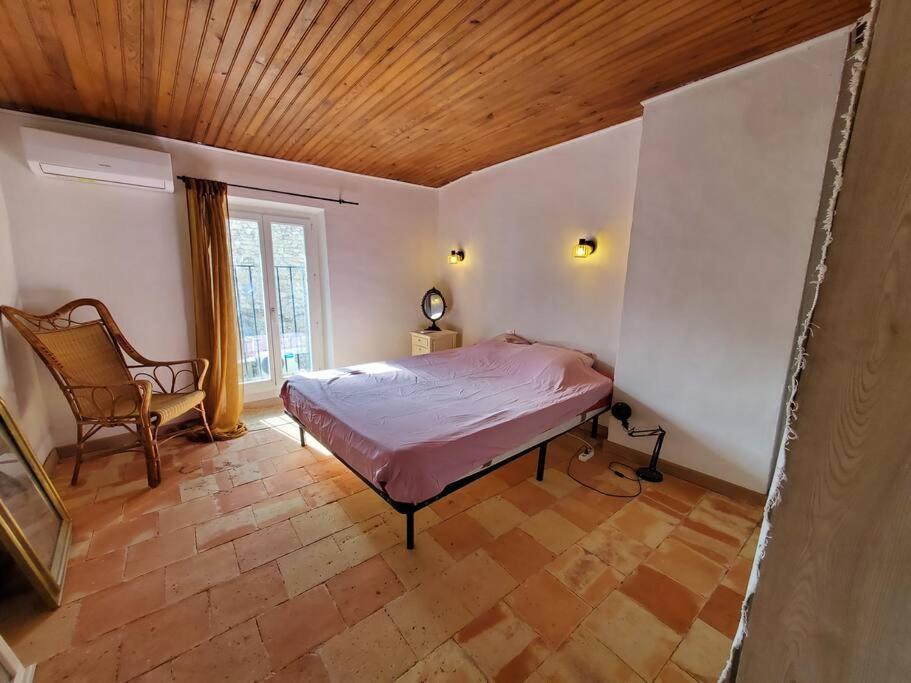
(202, 369)
(108, 400)
(146, 363)
(168, 383)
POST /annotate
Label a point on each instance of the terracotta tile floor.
(259, 560)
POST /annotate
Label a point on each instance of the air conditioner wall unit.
(55, 155)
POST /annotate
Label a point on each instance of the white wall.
(130, 248)
(518, 222)
(730, 173)
(19, 386)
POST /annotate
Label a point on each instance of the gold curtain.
(213, 301)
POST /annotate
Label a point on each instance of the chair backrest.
(85, 354)
(77, 343)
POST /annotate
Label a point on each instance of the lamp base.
(649, 474)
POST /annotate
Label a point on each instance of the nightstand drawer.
(429, 342)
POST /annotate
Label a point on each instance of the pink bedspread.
(414, 425)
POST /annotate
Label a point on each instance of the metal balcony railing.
(293, 320)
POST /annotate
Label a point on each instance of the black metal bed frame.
(408, 509)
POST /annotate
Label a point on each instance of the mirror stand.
(433, 306)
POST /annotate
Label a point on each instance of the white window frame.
(18, 673)
(262, 389)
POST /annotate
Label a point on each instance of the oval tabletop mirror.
(433, 305)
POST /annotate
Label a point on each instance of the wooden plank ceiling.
(424, 91)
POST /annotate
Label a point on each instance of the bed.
(419, 428)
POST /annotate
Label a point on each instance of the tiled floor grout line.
(626, 577)
(650, 555)
(380, 519)
(652, 552)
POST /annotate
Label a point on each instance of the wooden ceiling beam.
(270, 51)
(249, 29)
(381, 38)
(424, 78)
(461, 72)
(588, 121)
(320, 64)
(272, 98)
(386, 73)
(559, 113)
(580, 61)
(418, 90)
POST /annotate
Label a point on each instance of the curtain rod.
(285, 192)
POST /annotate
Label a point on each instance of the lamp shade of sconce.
(584, 249)
(456, 256)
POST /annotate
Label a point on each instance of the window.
(279, 304)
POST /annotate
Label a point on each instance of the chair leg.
(157, 464)
(205, 421)
(80, 446)
(153, 463)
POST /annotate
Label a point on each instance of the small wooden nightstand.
(428, 342)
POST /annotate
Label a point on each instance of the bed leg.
(542, 457)
(409, 530)
(303, 436)
(595, 427)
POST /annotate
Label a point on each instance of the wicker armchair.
(88, 355)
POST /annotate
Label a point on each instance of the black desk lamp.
(623, 412)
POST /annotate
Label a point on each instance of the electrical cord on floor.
(612, 465)
(258, 429)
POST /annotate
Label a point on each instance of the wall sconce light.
(584, 249)
(456, 256)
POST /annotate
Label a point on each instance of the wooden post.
(833, 599)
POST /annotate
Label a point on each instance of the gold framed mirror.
(35, 528)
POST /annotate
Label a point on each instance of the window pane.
(292, 304)
(251, 300)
